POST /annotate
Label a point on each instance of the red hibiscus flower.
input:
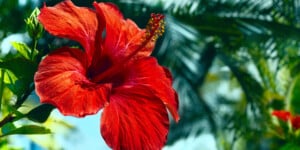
(296, 122)
(114, 71)
(282, 114)
(286, 116)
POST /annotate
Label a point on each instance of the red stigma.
(155, 27)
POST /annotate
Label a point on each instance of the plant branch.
(8, 118)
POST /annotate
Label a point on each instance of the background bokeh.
(233, 62)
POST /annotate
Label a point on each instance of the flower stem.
(33, 48)
(1, 86)
(11, 118)
(8, 118)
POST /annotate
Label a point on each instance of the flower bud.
(33, 27)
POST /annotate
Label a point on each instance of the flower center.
(154, 29)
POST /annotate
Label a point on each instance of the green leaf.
(22, 68)
(294, 96)
(290, 146)
(16, 85)
(22, 48)
(8, 127)
(23, 71)
(17, 114)
(41, 113)
(27, 129)
(9, 77)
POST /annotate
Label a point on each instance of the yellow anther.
(155, 27)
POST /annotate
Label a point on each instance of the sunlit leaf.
(19, 74)
(293, 97)
(22, 48)
(28, 129)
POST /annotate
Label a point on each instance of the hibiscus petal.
(123, 37)
(136, 116)
(134, 119)
(61, 81)
(147, 72)
(296, 122)
(282, 114)
(69, 21)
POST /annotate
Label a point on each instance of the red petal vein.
(60, 80)
(69, 21)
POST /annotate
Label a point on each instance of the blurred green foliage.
(12, 17)
(20, 114)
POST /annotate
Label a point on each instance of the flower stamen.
(155, 27)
